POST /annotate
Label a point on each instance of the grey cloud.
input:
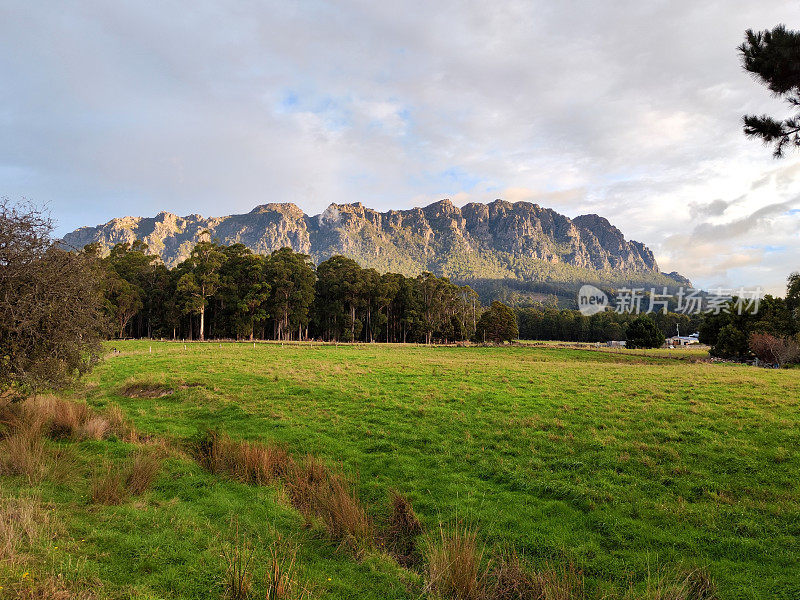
(755, 220)
(715, 208)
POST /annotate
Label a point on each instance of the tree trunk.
(202, 322)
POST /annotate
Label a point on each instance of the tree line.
(740, 331)
(229, 292)
(550, 323)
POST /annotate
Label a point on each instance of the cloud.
(744, 225)
(628, 109)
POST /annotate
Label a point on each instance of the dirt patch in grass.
(146, 390)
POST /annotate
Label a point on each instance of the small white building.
(682, 340)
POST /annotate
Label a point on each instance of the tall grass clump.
(55, 587)
(248, 462)
(112, 484)
(511, 579)
(403, 530)
(316, 491)
(239, 555)
(95, 428)
(320, 493)
(455, 564)
(142, 472)
(108, 485)
(282, 580)
(22, 520)
(668, 584)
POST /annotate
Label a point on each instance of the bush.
(51, 309)
(731, 343)
(643, 332)
(776, 350)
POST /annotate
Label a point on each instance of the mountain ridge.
(496, 240)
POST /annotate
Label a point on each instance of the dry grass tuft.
(143, 472)
(57, 418)
(239, 556)
(455, 564)
(403, 530)
(317, 492)
(111, 485)
(313, 489)
(248, 462)
(22, 520)
(665, 584)
(562, 582)
(303, 479)
(96, 428)
(282, 581)
(55, 587)
(512, 581)
(10, 415)
(120, 425)
(344, 517)
(23, 453)
(699, 585)
(64, 418)
(108, 485)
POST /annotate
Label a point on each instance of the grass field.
(623, 465)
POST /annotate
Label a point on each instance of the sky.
(630, 109)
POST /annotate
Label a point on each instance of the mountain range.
(518, 242)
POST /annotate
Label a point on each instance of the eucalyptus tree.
(339, 294)
(200, 279)
(129, 282)
(244, 290)
(291, 278)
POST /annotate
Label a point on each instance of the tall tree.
(643, 332)
(128, 282)
(291, 278)
(773, 57)
(793, 299)
(339, 295)
(244, 288)
(200, 279)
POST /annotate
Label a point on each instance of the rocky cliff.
(477, 241)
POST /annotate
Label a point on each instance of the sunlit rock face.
(495, 240)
